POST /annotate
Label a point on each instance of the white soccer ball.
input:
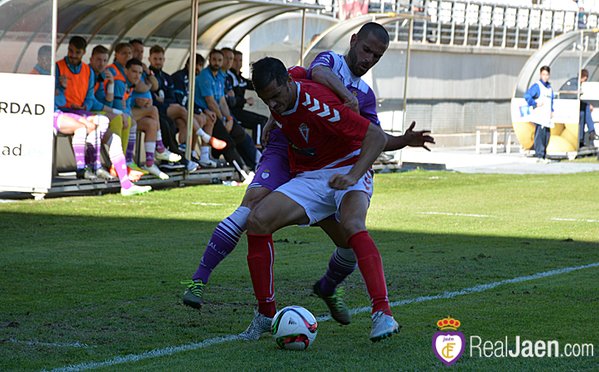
(294, 328)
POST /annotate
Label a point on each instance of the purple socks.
(341, 265)
(224, 239)
(79, 146)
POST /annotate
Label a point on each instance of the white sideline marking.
(156, 353)
(476, 289)
(49, 344)
(456, 214)
(573, 220)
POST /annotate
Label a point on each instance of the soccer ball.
(294, 328)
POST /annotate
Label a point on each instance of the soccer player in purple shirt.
(342, 74)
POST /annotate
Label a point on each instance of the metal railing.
(479, 23)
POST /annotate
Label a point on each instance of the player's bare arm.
(213, 106)
(270, 125)
(411, 137)
(325, 76)
(372, 145)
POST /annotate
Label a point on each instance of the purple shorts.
(273, 170)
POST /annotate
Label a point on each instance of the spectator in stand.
(181, 94)
(206, 85)
(210, 94)
(148, 80)
(104, 92)
(237, 102)
(75, 81)
(165, 100)
(92, 130)
(81, 127)
(127, 73)
(44, 61)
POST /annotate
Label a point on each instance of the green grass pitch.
(88, 279)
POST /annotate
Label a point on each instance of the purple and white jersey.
(355, 84)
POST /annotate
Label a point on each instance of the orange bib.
(77, 84)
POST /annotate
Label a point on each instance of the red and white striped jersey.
(322, 131)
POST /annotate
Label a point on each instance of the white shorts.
(311, 190)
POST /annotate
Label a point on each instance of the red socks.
(261, 256)
(371, 267)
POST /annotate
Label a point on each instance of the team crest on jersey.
(305, 131)
(266, 174)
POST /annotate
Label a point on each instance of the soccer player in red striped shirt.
(331, 151)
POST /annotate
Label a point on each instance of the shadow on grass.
(113, 282)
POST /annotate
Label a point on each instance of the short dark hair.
(545, 68)
(121, 46)
(213, 51)
(100, 49)
(237, 53)
(266, 70)
(78, 42)
(136, 41)
(44, 50)
(156, 49)
(134, 62)
(376, 29)
(227, 49)
(584, 73)
(200, 60)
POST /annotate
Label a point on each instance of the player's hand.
(229, 125)
(250, 101)
(270, 125)
(201, 118)
(108, 76)
(590, 107)
(352, 102)
(418, 138)
(342, 181)
(125, 121)
(211, 115)
(89, 125)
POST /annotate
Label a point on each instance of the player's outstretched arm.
(372, 145)
(412, 138)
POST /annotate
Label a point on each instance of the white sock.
(203, 135)
(205, 153)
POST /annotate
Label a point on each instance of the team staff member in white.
(540, 97)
